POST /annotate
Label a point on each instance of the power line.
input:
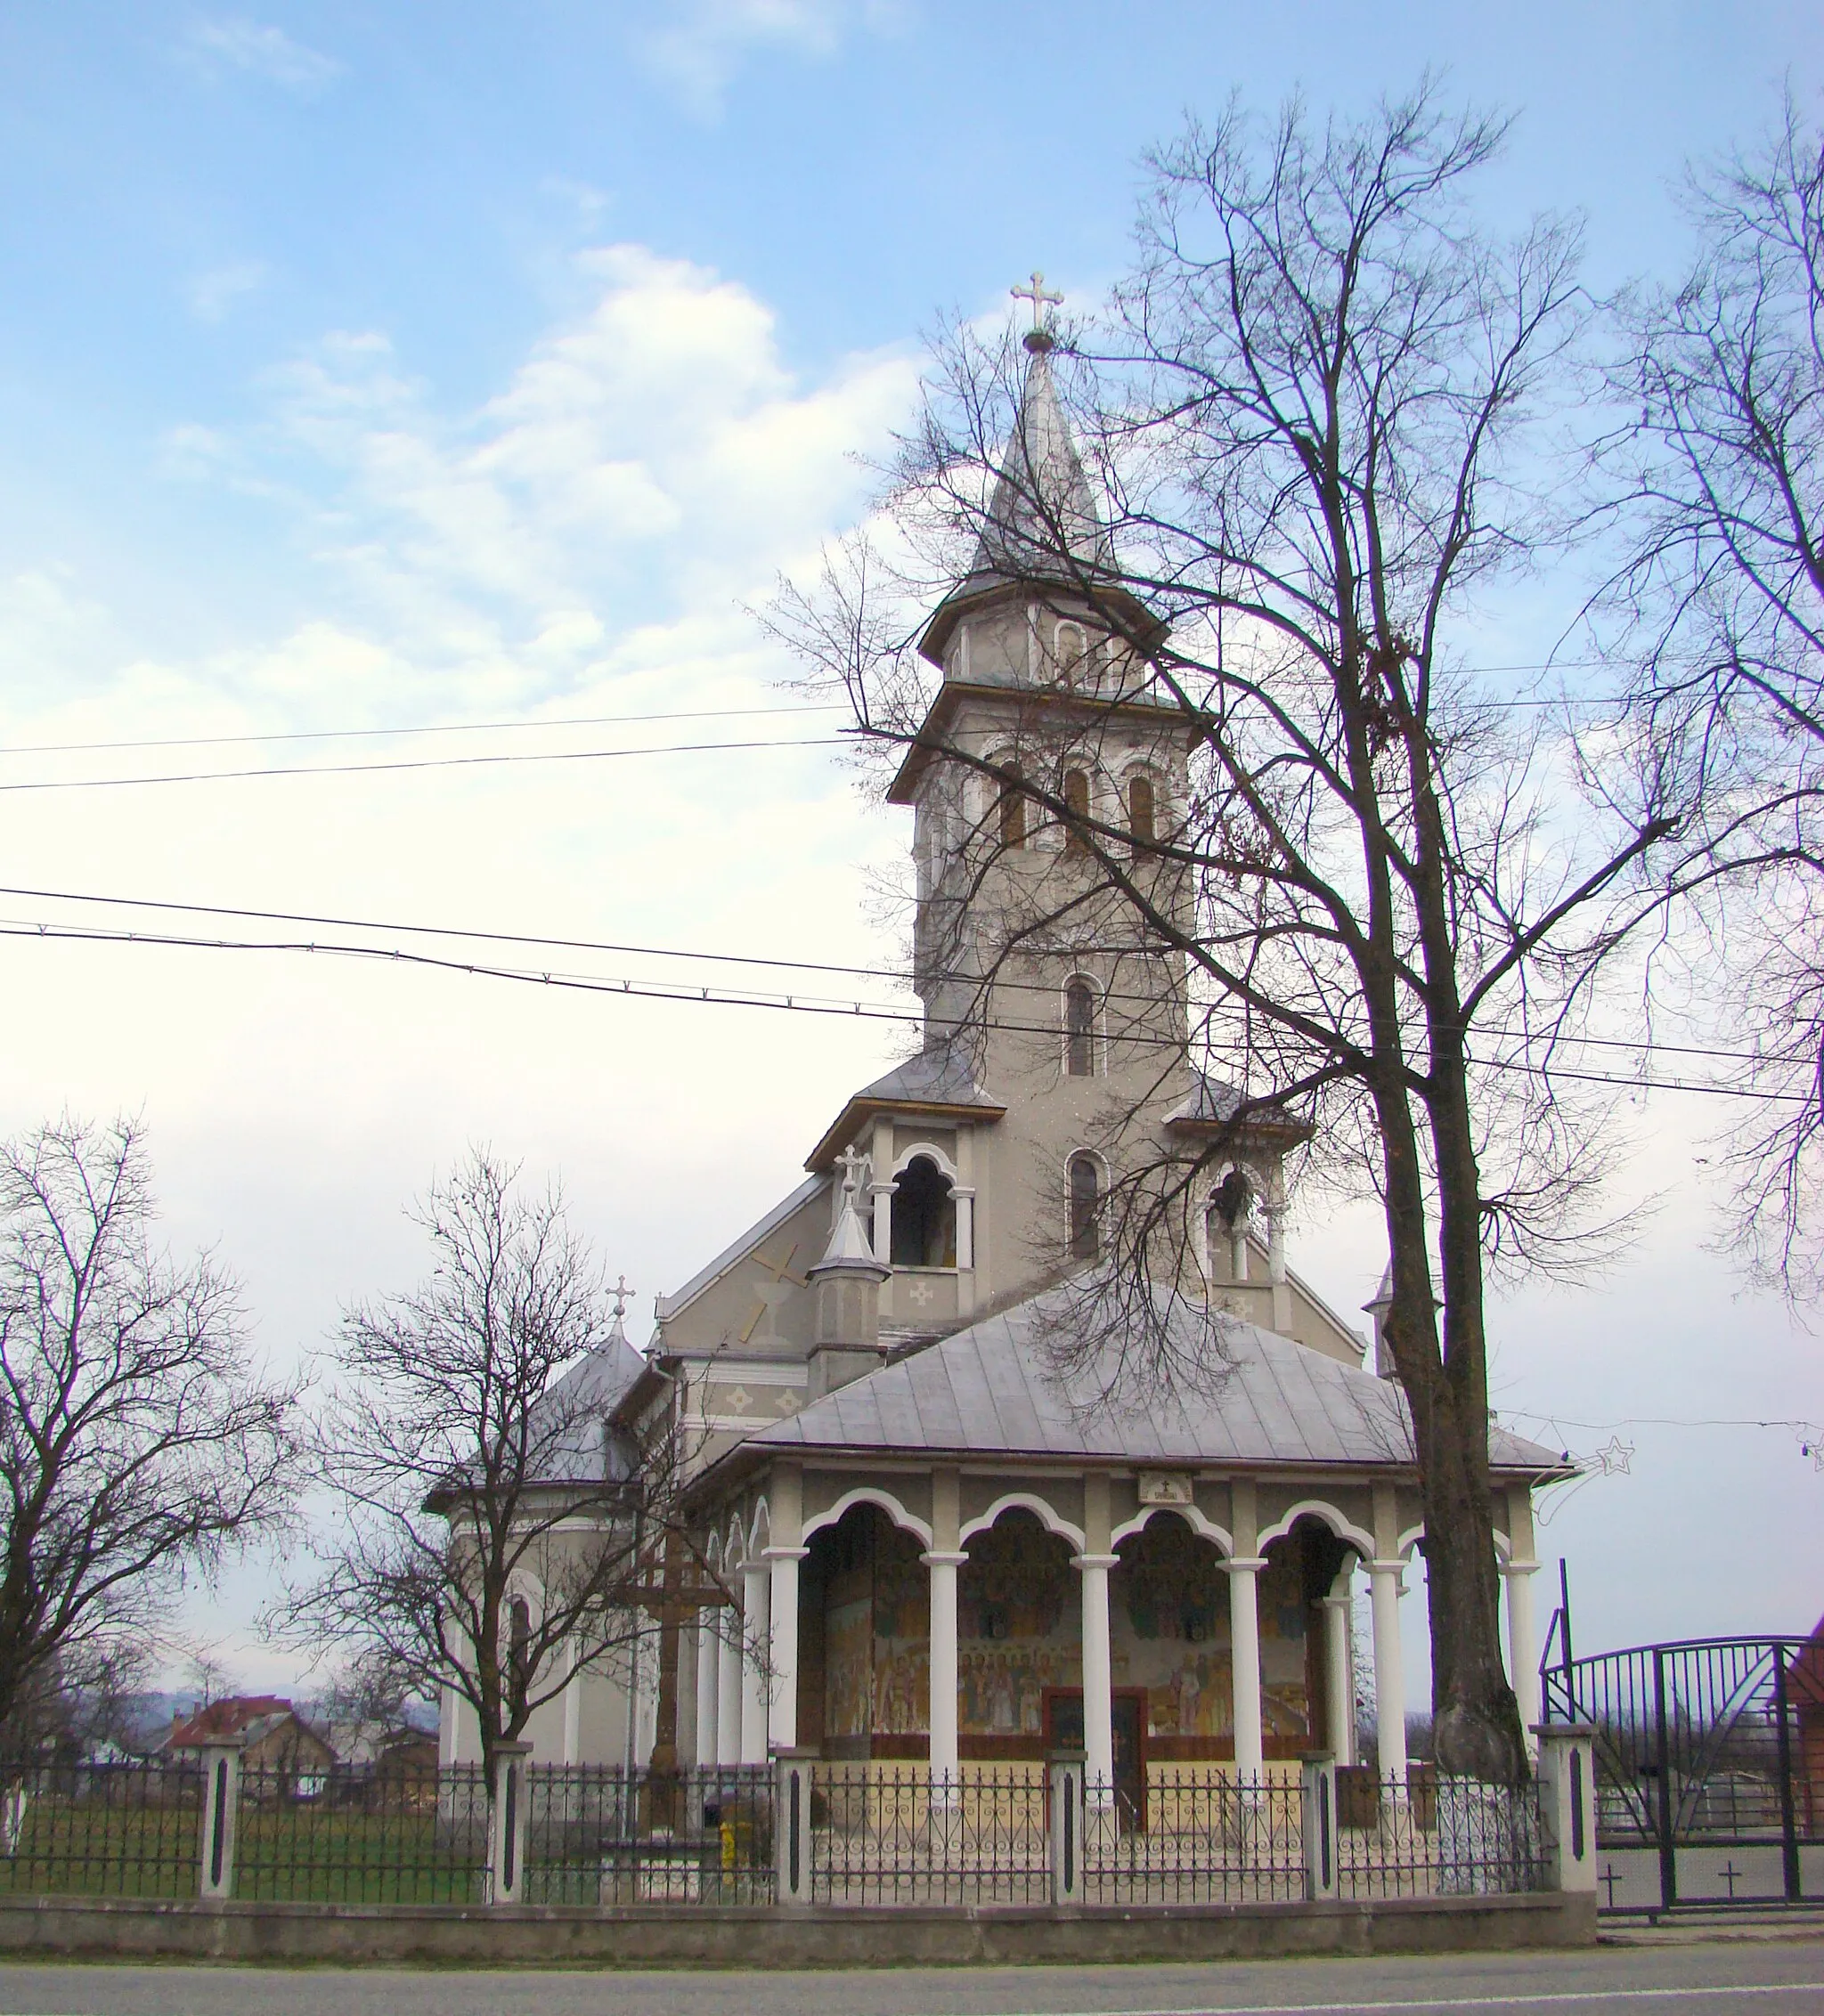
(428, 728)
(422, 763)
(890, 974)
(732, 998)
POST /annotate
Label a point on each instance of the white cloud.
(699, 45)
(261, 50)
(212, 294)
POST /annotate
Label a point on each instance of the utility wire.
(892, 975)
(732, 998)
(681, 714)
(428, 728)
(422, 763)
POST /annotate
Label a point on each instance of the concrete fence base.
(533, 1935)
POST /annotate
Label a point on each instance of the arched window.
(1142, 819)
(1079, 1030)
(1070, 652)
(1086, 1209)
(925, 1217)
(1076, 805)
(1013, 814)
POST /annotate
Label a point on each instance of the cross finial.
(1034, 292)
(621, 1291)
(852, 1165)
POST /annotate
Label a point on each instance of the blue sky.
(363, 367)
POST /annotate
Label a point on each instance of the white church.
(952, 1539)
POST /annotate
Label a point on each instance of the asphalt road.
(1759, 1979)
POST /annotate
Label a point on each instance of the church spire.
(1042, 528)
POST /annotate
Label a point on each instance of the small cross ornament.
(1036, 293)
(852, 1165)
(621, 1291)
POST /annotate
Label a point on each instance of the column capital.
(936, 1560)
(784, 1553)
(1392, 1567)
(1336, 1602)
(1103, 1561)
(1521, 1567)
(1245, 1563)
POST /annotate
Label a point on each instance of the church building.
(967, 1511)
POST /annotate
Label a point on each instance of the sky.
(370, 369)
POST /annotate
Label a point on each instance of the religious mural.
(1170, 1629)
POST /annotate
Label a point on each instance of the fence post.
(221, 1809)
(1662, 1767)
(1064, 1805)
(506, 1805)
(1568, 1803)
(1789, 1813)
(792, 1826)
(1318, 1817)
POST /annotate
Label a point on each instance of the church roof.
(1042, 523)
(1214, 1104)
(990, 1390)
(936, 1081)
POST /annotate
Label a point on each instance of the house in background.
(272, 1738)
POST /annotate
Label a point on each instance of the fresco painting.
(849, 1668)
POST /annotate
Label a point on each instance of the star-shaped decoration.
(1616, 1457)
(738, 1399)
(788, 1404)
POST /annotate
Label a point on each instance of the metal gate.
(1709, 1767)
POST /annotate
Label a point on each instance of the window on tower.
(1141, 809)
(1086, 1209)
(1076, 805)
(1079, 1029)
(1013, 813)
(923, 1216)
(1070, 652)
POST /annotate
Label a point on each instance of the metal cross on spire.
(1035, 292)
(621, 1291)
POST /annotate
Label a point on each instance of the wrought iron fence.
(1428, 1835)
(1197, 1836)
(102, 1829)
(1706, 1745)
(882, 1833)
(598, 1834)
(380, 1833)
(877, 1833)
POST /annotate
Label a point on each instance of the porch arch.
(1326, 1515)
(1200, 1523)
(1047, 1515)
(874, 1495)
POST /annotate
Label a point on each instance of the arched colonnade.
(762, 1670)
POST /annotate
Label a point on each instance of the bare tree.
(497, 1532)
(1315, 414)
(1722, 453)
(138, 1441)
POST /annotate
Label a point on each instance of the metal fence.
(882, 1833)
(1703, 1748)
(865, 1835)
(113, 1829)
(1198, 1836)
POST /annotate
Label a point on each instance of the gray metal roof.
(938, 1077)
(574, 1411)
(990, 1390)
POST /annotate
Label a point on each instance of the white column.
(1244, 1640)
(881, 1187)
(756, 1579)
(1522, 1648)
(1390, 1668)
(942, 1567)
(728, 1681)
(965, 1225)
(1276, 1249)
(573, 1702)
(1339, 1666)
(782, 1609)
(708, 1686)
(1098, 1679)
